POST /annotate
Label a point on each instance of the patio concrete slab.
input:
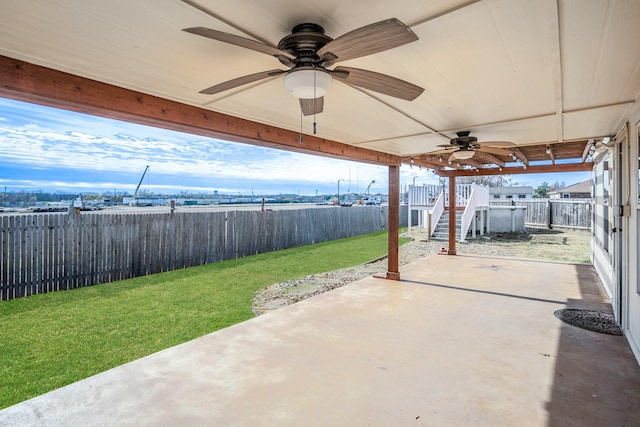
(460, 341)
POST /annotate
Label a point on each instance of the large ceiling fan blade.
(285, 57)
(240, 81)
(312, 106)
(438, 152)
(495, 151)
(497, 144)
(377, 82)
(367, 40)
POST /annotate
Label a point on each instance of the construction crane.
(135, 193)
(369, 186)
(366, 200)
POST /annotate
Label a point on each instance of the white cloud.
(62, 140)
(103, 154)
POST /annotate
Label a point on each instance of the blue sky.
(48, 149)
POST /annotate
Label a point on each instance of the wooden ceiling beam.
(457, 164)
(587, 150)
(552, 156)
(518, 170)
(27, 82)
(520, 155)
(488, 158)
(421, 162)
(471, 162)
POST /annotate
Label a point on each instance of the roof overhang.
(28, 82)
(533, 73)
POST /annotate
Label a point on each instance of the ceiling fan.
(309, 52)
(464, 146)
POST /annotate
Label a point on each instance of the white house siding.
(632, 322)
(601, 239)
(628, 297)
(503, 193)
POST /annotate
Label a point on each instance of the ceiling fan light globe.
(307, 84)
(464, 154)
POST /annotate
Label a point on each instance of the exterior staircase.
(432, 202)
(441, 232)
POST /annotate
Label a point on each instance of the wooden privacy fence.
(50, 252)
(551, 213)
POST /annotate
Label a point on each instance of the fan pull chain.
(300, 126)
(314, 101)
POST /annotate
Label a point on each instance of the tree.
(557, 186)
(541, 191)
(486, 180)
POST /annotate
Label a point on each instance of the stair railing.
(478, 198)
(436, 212)
(463, 193)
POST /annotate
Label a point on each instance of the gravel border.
(282, 294)
(496, 244)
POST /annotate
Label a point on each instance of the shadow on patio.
(464, 340)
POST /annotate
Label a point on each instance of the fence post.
(549, 215)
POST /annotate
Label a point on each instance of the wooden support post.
(452, 215)
(409, 200)
(393, 222)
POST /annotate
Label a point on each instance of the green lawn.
(48, 341)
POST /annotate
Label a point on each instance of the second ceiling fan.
(309, 52)
(464, 146)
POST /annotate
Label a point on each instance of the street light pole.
(339, 191)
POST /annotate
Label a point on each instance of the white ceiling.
(528, 71)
